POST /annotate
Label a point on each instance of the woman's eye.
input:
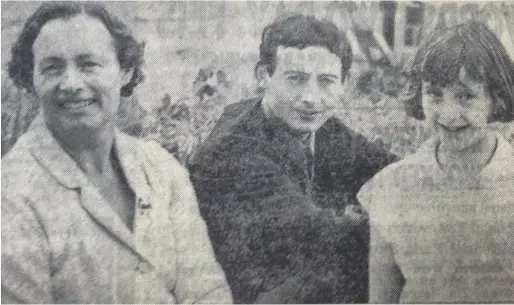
(436, 100)
(90, 65)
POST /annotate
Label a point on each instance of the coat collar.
(47, 150)
(49, 153)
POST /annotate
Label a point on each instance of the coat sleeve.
(25, 255)
(200, 278)
(260, 221)
(370, 159)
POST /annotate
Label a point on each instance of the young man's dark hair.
(302, 31)
(130, 51)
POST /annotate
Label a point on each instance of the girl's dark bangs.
(445, 58)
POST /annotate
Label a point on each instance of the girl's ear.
(498, 107)
(262, 76)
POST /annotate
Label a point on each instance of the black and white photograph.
(268, 152)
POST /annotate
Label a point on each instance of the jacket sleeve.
(370, 158)
(200, 278)
(25, 255)
(260, 221)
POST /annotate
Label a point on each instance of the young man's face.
(304, 88)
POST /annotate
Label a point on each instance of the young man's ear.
(262, 75)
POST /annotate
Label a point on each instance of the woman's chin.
(76, 128)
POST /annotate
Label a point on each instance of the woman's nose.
(71, 81)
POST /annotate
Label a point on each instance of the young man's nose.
(312, 96)
(71, 81)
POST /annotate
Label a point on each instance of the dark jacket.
(269, 225)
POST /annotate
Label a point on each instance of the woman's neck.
(473, 158)
(91, 150)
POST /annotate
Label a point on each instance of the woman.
(90, 215)
(442, 218)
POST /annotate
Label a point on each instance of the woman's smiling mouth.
(76, 104)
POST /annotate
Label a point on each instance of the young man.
(277, 178)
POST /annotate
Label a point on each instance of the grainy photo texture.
(257, 152)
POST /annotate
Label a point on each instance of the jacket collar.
(49, 153)
(47, 150)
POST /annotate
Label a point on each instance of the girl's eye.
(51, 69)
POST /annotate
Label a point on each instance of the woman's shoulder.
(156, 158)
(19, 167)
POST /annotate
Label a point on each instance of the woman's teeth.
(77, 105)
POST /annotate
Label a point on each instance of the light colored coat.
(62, 243)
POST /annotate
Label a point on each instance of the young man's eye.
(434, 93)
(326, 81)
(296, 78)
(466, 96)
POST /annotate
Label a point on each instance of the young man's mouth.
(456, 128)
(308, 113)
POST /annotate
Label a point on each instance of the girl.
(441, 230)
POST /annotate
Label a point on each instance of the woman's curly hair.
(129, 51)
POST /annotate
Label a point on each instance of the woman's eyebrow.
(86, 56)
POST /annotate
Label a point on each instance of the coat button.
(143, 267)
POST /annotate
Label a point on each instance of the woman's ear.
(262, 75)
(126, 76)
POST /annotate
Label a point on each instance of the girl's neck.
(471, 159)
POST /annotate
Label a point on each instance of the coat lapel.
(94, 204)
(66, 171)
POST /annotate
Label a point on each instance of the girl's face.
(459, 112)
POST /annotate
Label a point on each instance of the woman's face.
(458, 112)
(77, 75)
